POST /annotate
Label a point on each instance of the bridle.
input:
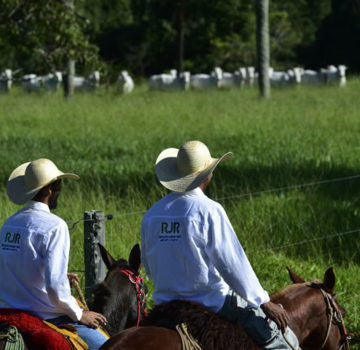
(140, 288)
(334, 317)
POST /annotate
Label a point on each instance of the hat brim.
(17, 190)
(170, 177)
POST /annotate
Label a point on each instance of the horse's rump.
(211, 331)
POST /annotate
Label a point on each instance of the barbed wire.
(249, 194)
(305, 241)
(292, 187)
(289, 245)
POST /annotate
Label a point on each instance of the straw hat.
(184, 169)
(29, 178)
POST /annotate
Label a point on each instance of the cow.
(32, 83)
(230, 80)
(90, 83)
(165, 82)
(207, 81)
(125, 83)
(5, 80)
(335, 74)
(52, 81)
(312, 77)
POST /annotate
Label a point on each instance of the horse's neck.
(304, 305)
(112, 299)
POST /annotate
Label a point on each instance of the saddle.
(42, 335)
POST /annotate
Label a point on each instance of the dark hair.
(41, 193)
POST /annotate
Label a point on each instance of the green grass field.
(301, 135)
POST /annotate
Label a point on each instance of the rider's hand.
(73, 277)
(93, 319)
(277, 314)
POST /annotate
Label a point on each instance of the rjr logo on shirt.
(12, 238)
(11, 241)
(170, 227)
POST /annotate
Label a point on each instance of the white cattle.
(283, 78)
(242, 72)
(250, 75)
(32, 83)
(5, 80)
(295, 74)
(125, 83)
(170, 81)
(312, 77)
(173, 72)
(206, 81)
(52, 81)
(230, 80)
(342, 74)
(335, 74)
(279, 78)
(90, 83)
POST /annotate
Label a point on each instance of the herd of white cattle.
(245, 76)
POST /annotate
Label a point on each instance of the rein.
(335, 317)
(138, 282)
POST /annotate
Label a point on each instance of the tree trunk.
(180, 27)
(263, 46)
(70, 71)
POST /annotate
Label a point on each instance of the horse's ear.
(294, 277)
(134, 258)
(107, 258)
(329, 280)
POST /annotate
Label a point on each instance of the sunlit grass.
(300, 136)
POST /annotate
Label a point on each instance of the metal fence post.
(94, 233)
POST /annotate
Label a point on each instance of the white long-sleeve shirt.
(34, 255)
(190, 251)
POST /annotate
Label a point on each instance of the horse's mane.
(291, 289)
(281, 293)
(209, 329)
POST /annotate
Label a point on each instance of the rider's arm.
(57, 285)
(143, 247)
(229, 258)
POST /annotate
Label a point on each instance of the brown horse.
(120, 297)
(315, 317)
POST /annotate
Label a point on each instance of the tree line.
(147, 36)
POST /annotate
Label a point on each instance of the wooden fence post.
(94, 233)
(263, 46)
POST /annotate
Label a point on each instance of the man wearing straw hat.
(34, 253)
(190, 250)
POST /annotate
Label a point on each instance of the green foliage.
(283, 38)
(142, 35)
(42, 35)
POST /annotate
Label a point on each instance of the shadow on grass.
(335, 204)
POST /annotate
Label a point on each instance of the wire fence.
(257, 193)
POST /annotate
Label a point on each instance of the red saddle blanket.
(36, 334)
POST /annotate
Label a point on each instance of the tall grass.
(301, 135)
